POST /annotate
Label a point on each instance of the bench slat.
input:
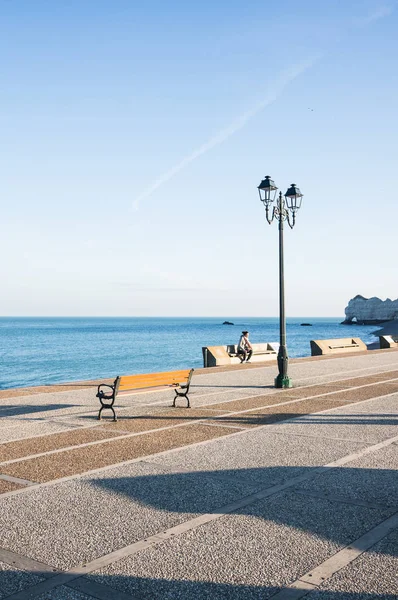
(130, 382)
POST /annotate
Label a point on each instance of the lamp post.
(285, 210)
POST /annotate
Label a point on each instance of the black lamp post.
(285, 209)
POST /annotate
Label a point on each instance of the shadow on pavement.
(9, 410)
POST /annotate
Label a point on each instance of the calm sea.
(38, 351)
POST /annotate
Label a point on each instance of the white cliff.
(370, 310)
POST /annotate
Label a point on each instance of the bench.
(178, 380)
(215, 356)
(335, 346)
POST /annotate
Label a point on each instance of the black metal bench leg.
(181, 396)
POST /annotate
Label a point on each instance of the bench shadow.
(10, 410)
(252, 420)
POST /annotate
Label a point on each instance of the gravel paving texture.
(264, 416)
(362, 479)
(80, 460)
(159, 419)
(8, 486)
(358, 422)
(36, 445)
(69, 523)
(14, 580)
(259, 457)
(64, 593)
(250, 554)
(373, 575)
(27, 429)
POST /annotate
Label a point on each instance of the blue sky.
(134, 136)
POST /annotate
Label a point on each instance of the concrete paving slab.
(259, 457)
(369, 422)
(372, 575)
(372, 478)
(14, 580)
(380, 407)
(76, 521)
(24, 429)
(8, 486)
(159, 419)
(274, 414)
(80, 460)
(17, 449)
(251, 554)
(254, 402)
(65, 593)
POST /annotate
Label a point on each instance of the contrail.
(275, 90)
(381, 12)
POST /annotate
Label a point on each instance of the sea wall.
(367, 311)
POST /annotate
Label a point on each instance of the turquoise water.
(38, 351)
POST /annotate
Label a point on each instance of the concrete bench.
(215, 356)
(336, 346)
(388, 341)
(179, 380)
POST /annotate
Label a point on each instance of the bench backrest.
(135, 382)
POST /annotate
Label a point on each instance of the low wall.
(337, 346)
(388, 341)
(215, 356)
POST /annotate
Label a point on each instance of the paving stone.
(259, 456)
(76, 521)
(79, 460)
(14, 580)
(254, 402)
(372, 575)
(252, 553)
(25, 429)
(371, 478)
(65, 593)
(264, 416)
(8, 486)
(17, 449)
(370, 422)
(159, 419)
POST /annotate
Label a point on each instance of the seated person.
(245, 349)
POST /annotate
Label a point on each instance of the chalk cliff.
(366, 311)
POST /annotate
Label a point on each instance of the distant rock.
(306, 324)
(370, 311)
(227, 323)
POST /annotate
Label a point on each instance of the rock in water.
(367, 311)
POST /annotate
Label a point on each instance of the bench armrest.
(101, 392)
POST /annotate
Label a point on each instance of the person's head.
(245, 333)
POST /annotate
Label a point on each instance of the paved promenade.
(252, 493)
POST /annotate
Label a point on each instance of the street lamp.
(285, 209)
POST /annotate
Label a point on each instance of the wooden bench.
(179, 380)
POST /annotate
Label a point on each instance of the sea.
(44, 351)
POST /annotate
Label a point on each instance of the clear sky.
(134, 136)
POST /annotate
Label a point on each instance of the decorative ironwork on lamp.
(285, 210)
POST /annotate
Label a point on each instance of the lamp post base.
(283, 382)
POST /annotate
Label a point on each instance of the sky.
(134, 136)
